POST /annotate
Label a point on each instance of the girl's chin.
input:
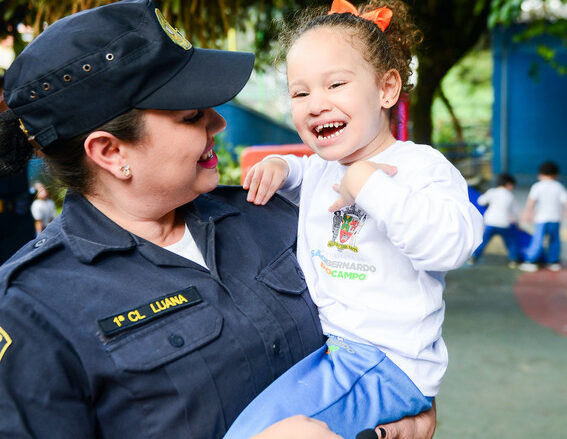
(330, 154)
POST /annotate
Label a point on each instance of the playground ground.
(506, 332)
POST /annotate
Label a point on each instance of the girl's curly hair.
(391, 49)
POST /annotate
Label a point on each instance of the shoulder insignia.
(146, 313)
(5, 342)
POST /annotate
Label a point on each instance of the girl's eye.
(192, 119)
(337, 84)
(299, 94)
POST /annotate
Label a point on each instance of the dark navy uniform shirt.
(106, 335)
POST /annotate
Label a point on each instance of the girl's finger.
(389, 169)
(254, 184)
(338, 204)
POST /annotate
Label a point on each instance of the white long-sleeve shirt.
(502, 210)
(376, 269)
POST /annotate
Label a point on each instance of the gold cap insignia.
(172, 32)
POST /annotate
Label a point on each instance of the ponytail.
(15, 149)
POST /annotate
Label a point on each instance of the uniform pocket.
(284, 274)
(167, 340)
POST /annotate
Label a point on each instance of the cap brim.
(210, 78)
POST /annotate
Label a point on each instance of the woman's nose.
(215, 122)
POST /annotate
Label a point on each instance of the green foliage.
(504, 12)
(468, 87)
(507, 12)
(229, 161)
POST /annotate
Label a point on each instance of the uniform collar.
(90, 233)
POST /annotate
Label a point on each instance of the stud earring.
(125, 170)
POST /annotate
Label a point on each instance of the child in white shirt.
(500, 218)
(380, 223)
(545, 206)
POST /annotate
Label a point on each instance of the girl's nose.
(318, 103)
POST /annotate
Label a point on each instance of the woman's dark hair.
(66, 160)
(549, 168)
(391, 49)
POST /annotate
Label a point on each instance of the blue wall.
(248, 127)
(529, 114)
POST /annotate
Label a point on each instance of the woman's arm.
(421, 426)
(297, 427)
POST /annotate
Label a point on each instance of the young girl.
(375, 254)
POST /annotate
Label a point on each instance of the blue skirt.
(350, 386)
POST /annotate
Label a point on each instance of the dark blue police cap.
(90, 67)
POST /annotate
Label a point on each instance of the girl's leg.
(348, 385)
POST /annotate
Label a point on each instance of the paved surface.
(506, 332)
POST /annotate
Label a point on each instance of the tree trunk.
(457, 126)
(450, 29)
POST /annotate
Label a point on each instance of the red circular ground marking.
(543, 297)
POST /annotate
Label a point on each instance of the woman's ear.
(390, 88)
(106, 152)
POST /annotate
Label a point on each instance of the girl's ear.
(106, 151)
(390, 88)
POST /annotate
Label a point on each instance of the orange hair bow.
(381, 16)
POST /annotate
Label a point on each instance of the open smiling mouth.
(209, 159)
(329, 130)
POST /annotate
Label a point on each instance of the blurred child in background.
(42, 208)
(500, 218)
(545, 207)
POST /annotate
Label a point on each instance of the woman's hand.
(421, 426)
(297, 427)
(355, 178)
(264, 179)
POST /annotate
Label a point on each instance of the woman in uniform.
(155, 305)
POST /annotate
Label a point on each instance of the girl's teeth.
(320, 128)
(321, 137)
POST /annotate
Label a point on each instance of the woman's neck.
(161, 229)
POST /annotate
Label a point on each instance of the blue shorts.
(350, 386)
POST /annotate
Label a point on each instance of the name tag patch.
(148, 312)
(5, 342)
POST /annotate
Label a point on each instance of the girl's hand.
(355, 178)
(264, 179)
(297, 427)
(421, 426)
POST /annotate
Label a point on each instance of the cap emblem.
(172, 32)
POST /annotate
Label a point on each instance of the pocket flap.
(162, 342)
(284, 274)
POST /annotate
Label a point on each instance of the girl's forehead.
(326, 34)
(326, 46)
(324, 40)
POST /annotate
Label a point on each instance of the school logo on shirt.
(347, 224)
(5, 342)
(335, 343)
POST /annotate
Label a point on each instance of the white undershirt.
(187, 248)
